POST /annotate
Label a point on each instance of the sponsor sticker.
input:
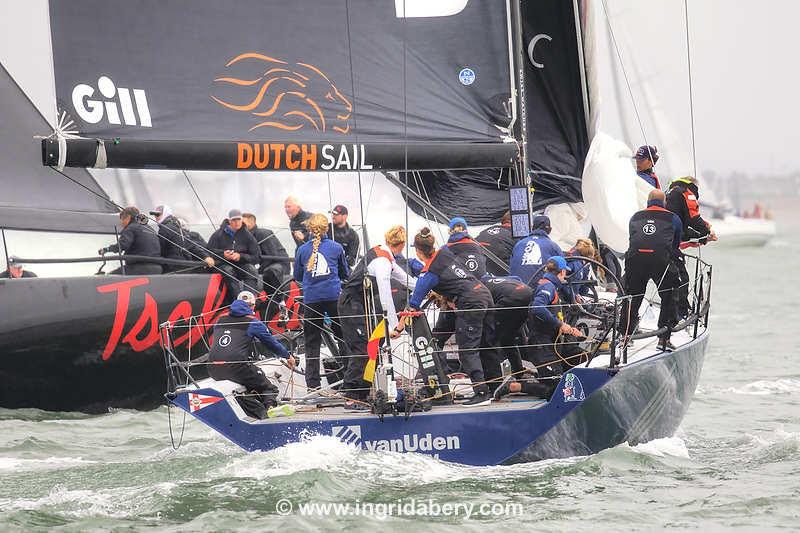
(466, 76)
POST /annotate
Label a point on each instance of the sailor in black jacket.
(297, 218)
(344, 234)
(231, 351)
(466, 248)
(500, 242)
(136, 238)
(511, 300)
(272, 268)
(175, 242)
(236, 253)
(469, 316)
(655, 234)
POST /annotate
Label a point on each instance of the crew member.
(231, 349)
(529, 253)
(466, 248)
(174, 242)
(297, 218)
(236, 253)
(683, 200)
(16, 270)
(470, 299)
(553, 341)
(320, 265)
(274, 264)
(646, 158)
(136, 238)
(368, 293)
(344, 234)
(655, 235)
(498, 240)
(581, 271)
(511, 299)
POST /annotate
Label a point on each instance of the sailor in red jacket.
(683, 200)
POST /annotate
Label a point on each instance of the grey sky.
(745, 83)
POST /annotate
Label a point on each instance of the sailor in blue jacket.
(529, 253)
(320, 266)
(547, 325)
(547, 321)
(231, 350)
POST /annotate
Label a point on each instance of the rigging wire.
(191, 185)
(691, 92)
(624, 72)
(364, 235)
(208, 251)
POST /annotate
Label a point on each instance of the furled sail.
(282, 85)
(555, 124)
(34, 197)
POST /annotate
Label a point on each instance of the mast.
(581, 63)
(515, 15)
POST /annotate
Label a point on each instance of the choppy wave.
(771, 386)
(762, 387)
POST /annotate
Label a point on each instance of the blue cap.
(455, 221)
(540, 221)
(560, 262)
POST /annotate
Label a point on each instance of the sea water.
(735, 461)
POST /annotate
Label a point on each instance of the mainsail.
(35, 197)
(281, 85)
(554, 119)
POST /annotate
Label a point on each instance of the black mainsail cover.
(38, 198)
(284, 85)
(557, 138)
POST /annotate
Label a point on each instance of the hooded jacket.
(240, 334)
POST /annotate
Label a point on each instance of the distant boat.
(735, 231)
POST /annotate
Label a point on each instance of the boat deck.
(331, 406)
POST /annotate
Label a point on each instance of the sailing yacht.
(466, 107)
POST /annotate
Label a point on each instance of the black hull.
(75, 344)
(645, 401)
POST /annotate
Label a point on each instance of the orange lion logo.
(284, 96)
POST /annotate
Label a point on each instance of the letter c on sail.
(532, 46)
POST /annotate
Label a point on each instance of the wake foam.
(669, 446)
(765, 387)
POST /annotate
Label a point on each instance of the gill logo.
(281, 95)
(92, 111)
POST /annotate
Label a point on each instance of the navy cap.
(560, 262)
(540, 221)
(455, 221)
(339, 210)
(647, 152)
